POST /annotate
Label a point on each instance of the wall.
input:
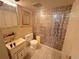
(24, 29)
(71, 43)
(3, 50)
(21, 10)
(20, 30)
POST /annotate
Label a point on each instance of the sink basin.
(17, 42)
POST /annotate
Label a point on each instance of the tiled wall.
(42, 26)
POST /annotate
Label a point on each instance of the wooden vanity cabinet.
(19, 51)
(20, 54)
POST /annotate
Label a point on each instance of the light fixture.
(9, 3)
(1, 3)
(17, 0)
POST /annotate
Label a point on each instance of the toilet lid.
(33, 41)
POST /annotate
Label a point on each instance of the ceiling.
(45, 3)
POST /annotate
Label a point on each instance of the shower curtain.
(51, 25)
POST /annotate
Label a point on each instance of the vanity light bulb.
(9, 3)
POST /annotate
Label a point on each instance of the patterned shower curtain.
(51, 26)
(60, 17)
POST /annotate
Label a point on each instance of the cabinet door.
(21, 54)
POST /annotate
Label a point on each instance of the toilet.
(33, 43)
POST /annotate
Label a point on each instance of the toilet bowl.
(29, 39)
(34, 44)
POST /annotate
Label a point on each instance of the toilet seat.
(34, 44)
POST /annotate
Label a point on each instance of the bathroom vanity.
(17, 49)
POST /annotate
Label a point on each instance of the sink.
(17, 42)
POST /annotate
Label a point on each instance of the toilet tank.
(29, 37)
